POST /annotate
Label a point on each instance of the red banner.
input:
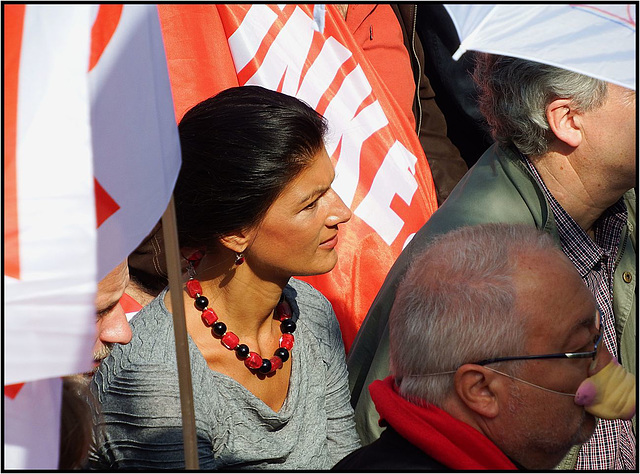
(307, 52)
(14, 18)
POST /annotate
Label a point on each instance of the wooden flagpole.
(172, 252)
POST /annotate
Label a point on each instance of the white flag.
(91, 158)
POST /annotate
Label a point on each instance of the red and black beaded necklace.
(252, 360)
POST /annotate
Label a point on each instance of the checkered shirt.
(613, 445)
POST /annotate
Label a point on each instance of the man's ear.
(478, 388)
(564, 122)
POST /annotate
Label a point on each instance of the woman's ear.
(237, 241)
(478, 388)
(565, 122)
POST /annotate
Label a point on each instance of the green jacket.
(498, 188)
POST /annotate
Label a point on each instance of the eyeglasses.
(559, 355)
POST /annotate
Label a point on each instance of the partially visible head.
(75, 423)
(514, 94)
(490, 291)
(112, 324)
(458, 299)
(240, 149)
(148, 264)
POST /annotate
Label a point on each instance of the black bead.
(201, 302)
(219, 329)
(265, 368)
(242, 350)
(287, 326)
(282, 353)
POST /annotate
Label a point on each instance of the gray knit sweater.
(141, 427)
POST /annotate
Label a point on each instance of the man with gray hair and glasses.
(494, 343)
(564, 162)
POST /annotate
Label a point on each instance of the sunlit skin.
(112, 325)
(532, 426)
(610, 138)
(592, 161)
(539, 427)
(298, 236)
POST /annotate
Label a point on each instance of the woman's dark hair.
(75, 423)
(240, 149)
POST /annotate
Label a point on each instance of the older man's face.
(610, 138)
(112, 324)
(545, 425)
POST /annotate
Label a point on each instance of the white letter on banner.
(246, 40)
(342, 109)
(352, 130)
(395, 176)
(366, 123)
(323, 71)
(287, 55)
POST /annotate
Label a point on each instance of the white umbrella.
(595, 40)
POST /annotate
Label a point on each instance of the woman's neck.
(245, 304)
(240, 298)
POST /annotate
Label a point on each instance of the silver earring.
(192, 262)
(239, 258)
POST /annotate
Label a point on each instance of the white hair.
(514, 94)
(456, 305)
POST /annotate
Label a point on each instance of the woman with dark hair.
(255, 207)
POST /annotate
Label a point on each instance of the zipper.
(414, 15)
(624, 246)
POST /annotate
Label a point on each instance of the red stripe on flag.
(105, 205)
(13, 24)
(102, 31)
(129, 304)
(11, 391)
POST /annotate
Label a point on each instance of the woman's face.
(300, 230)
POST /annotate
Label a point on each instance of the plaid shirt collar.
(584, 253)
(613, 443)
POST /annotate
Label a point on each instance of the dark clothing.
(455, 91)
(447, 166)
(423, 437)
(390, 452)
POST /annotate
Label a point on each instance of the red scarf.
(446, 439)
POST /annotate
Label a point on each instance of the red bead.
(276, 363)
(286, 341)
(254, 361)
(193, 288)
(196, 256)
(230, 340)
(209, 316)
(283, 311)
